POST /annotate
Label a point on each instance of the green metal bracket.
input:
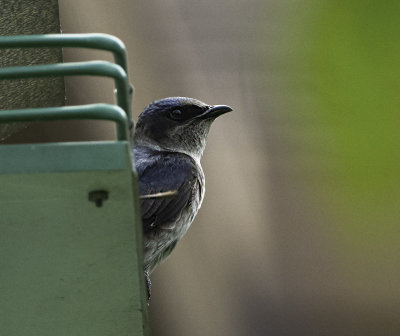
(70, 265)
(94, 68)
(91, 41)
(92, 111)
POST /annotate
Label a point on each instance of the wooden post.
(29, 17)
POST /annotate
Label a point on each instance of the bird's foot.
(148, 285)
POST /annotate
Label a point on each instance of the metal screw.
(98, 197)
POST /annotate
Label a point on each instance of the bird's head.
(177, 124)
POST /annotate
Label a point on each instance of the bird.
(168, 143)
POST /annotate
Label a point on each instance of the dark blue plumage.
(165, 171)
(170, 137)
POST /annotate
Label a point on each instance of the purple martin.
(169, 140)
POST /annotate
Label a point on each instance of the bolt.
(98, 196)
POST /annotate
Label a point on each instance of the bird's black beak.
(215, 111)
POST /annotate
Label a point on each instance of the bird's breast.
(189, 212)
(159, 242)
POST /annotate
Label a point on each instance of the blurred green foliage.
(354, 52)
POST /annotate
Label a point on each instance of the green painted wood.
(67, 266)
(64, 157)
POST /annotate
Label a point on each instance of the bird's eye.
(176, 115)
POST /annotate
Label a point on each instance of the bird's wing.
(161, 174)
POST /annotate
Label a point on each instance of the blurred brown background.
(298, 233)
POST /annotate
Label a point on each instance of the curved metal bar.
(93, 68)
(90, 41)
(91, 111)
